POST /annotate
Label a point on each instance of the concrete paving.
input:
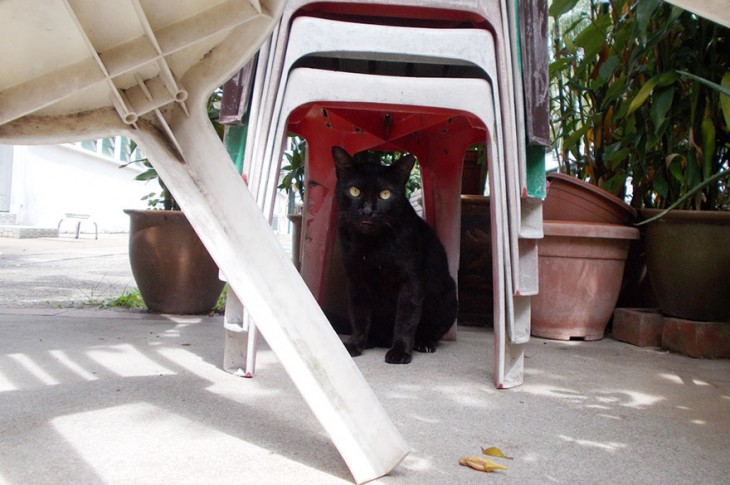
(99, 396)
(64, 271)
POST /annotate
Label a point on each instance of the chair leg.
(318, 218)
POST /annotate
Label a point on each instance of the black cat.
(400, 292)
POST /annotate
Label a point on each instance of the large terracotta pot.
(173, 270)
(473, 176)
(475, 262)
(571, 199)
(580, 270)
(688, 261)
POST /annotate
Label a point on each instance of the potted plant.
(173, 270)
(687, 251)
(640, 100)
(582, 256)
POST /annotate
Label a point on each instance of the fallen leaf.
(493, 451)
(480, 463)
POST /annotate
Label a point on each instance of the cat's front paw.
(425, 348)
(397, 356)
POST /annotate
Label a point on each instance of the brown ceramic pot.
(473, 176)
(571, 199)
(173, 270)
(688, 261)
(475, 262)
(580, 270)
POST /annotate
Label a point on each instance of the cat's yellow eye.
(385, 194)
(354, 191)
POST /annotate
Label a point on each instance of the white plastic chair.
(524, 214)
(456, 46)
(467, 95)
(368, 41)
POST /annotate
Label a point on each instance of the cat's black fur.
(400, 292)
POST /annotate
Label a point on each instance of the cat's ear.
(403, 168)
(343, 161)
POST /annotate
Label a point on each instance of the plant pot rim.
(598, 230)
(593, 189)
(682, 215)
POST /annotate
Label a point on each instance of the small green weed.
(220, 305)
(128, 299)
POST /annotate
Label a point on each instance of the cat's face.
(369, 195)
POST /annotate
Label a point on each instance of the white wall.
(50, 180)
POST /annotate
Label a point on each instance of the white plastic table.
(75, 70)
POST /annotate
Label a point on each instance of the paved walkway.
(64, 271)
(97, 396)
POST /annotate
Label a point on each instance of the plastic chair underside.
(508, 372)
(472, 97)
(409, 44)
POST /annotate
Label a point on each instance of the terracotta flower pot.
(571, 199)
(688, 261)
(580, 270)
(475, 262)
(173, 270)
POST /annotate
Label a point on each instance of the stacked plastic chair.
(425, 77)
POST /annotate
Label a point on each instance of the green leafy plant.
(293, 171)
(128, 299)
(637, 98)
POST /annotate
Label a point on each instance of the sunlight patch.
(554, 392)
(672, 378)
(126, 360)
(32, 367)
(611, 446)
(67, 362)
(641, 399)
(6, 384)
(126, 444)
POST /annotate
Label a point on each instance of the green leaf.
(609, 67)
(660, 185)
(725, 101)
(593, 37)
(147, 175)
(572, 139)
(674, 164)
(660, 106)
(558, 66)
(616, 87)
(709, 141)
(616, 157)
(644, 12)
(615, 184)
(663, 79)
(722, 89)
(559, 7)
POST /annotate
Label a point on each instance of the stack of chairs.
(426, 77)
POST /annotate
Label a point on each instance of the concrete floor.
(101, 396)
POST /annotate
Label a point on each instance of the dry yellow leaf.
(493, 451)
(480, 463)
